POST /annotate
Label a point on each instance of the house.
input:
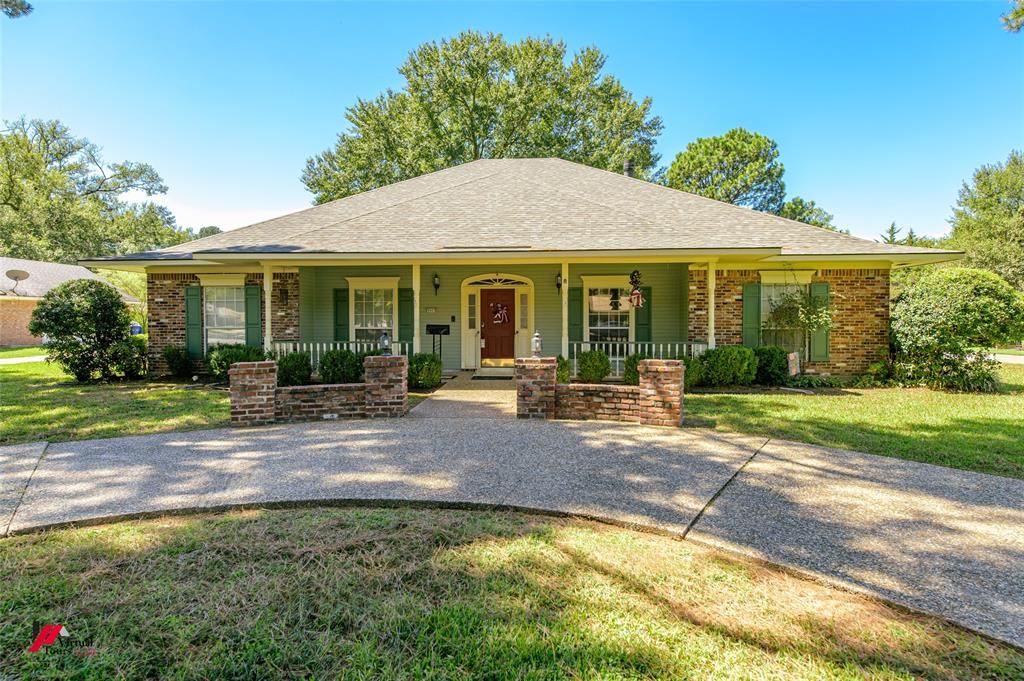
(493, 251)
(22, 284)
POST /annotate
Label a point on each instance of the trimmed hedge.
(694, 373)
(425, 370)
(729, 365)
(562, 370)
(593, 366)
(295, 368)
(630, 370)
(340, 366)
(772, 365)
(178, 361)
(220, 358)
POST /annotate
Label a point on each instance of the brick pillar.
(535, 387)
(387, 386)
(253, 388)
(661, 392)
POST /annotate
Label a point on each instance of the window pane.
(224, 336)
(224, 314)
(775, 332)
(524, 312)
(471, 312)
(608, 315)
(374, 313)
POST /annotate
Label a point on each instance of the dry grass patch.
(362, 593)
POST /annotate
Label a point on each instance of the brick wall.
(315, 402)
(860, 301)
(14, 318)
(656, 401)
(256, 399)
(166, 302)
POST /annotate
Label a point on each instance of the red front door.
(498, 326)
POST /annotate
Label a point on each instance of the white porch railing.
(317, 349)
(618, 351)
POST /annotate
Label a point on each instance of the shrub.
(562, 371)
(178, 361)
(772, 365)
(340, 366)
(941, 318)
(425, 370)
(220, 358)
(593, 366)
(83, 321)
(295, 368)
(729, 365)
(694, 373)
(129, 357)
(630, 371)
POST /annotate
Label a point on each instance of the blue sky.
(880, 109)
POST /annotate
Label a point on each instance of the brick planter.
(657, 401)
(256, 399)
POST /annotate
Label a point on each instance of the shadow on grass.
(388, 594)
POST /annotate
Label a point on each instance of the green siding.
(667, 282)
(316, 295)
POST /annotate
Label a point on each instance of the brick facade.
(256, 399)
(166, 302)
(656, 401)
(859, 299)
(15, 315)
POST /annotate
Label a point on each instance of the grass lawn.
(1006, 351)
(34, 405)
(11, 353)
(384, 594)
(975, 432)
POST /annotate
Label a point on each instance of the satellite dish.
(17, 275)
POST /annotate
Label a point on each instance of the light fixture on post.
(558, 282)
(437, 283)
(385, 344)
(535, 344)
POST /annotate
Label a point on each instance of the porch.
(485, 315)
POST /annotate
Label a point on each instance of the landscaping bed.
(364, 593)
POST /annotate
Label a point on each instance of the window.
(224, 315)
(777, 316)
(608, 314)
(373, 313)
(471, 312)
(524, 311)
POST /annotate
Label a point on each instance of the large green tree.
(739, 167)
(60, 201)
(15, 8)
(1014, 19)
(809, 212)
(988, 219)
(477, 96)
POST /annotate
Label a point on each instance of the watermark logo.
(46, 635)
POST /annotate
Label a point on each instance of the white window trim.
(206, 327)
(619, 281)
(372, 283)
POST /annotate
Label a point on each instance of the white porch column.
(711, 305)
(416, 340)
(565, 310)
(268, 292)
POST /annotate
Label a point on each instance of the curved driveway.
(940, 540)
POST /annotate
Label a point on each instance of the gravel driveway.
(944, 541)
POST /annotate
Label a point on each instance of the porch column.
(711, 305)
(268, 292)
(416, 307)
(565, 310)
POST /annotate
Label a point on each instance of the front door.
(497, 327)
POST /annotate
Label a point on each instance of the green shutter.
(751, 315)
(642, 318)
(819, 339)
(341, 314)
(575, 314)
(253, 320)
(194, 321)
(406, 319)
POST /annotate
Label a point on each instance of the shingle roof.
(527, 204)
(43, 276)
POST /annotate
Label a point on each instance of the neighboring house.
(19, 298)
(496, 250)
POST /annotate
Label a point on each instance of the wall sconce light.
(437, 283)
(558, 282)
